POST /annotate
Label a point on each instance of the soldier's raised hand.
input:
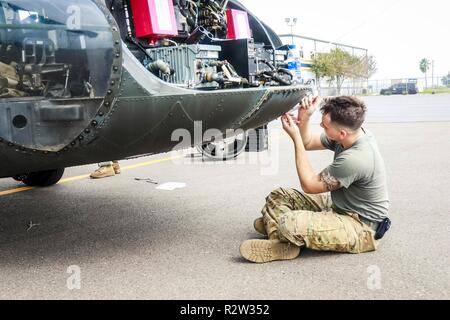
(308, 106)
(291, 127)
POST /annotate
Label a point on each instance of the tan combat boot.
(116, 167)
(259, 226)
(261, 251)
(103, 172)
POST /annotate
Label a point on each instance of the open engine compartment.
(202, 44)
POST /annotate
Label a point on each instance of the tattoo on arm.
(330, 182)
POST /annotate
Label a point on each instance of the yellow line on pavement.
(149, 163)
(85, 176)
(8, 192)
(131, 167)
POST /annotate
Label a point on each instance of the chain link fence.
(373, 87)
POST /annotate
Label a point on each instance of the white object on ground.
(170, 186)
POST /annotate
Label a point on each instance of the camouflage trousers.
(9, 81)
(312, 221)
(108, 163)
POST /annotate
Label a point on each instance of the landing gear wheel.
(41, 178)
(225, 149)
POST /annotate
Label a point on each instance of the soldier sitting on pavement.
(106, 169)
(342, 209)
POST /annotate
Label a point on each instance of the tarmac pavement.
(130, 240)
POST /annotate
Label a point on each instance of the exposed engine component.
(185, 65)
(199, 44)
(194, 66)
(259, 67)
(207, 13)
(162, 67)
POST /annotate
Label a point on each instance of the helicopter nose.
(52, 85)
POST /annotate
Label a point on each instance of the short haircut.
(346, 111)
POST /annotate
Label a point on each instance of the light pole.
(291, 22)
(432, 73)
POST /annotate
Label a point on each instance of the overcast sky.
(398, 33)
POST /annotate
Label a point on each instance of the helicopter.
(86, 81)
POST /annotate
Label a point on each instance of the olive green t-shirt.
(362, 174)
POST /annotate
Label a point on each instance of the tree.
(320, 66)
(342, 66)
(335, 65)
(339, 65)
(446, 80)
(366, 67)
(424, 67)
